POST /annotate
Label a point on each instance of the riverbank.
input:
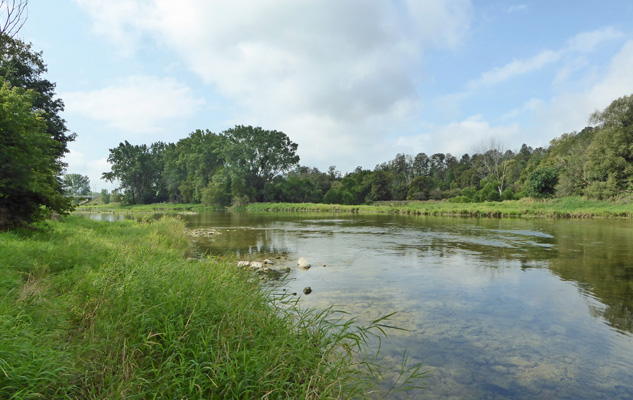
(567, 207)
(119, 310)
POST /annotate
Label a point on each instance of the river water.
(493, 308)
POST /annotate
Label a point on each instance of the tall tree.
(138, 169)
(494, 162)
(29, 188)
(611, 152)
(76, 184)
(254, 156)
(22, 67)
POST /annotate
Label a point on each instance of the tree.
(494, 161)
(541, 182)
(105, 196)
(23, 67)
(12, 16)
(611, 151)
(77, 185)
(138, 170)
(29, 189)
(254, 156)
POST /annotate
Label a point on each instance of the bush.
(541, 182)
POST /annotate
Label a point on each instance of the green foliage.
(611, 151)
(138, 169)
(90, 310)
(507, 194)
(541, 182)
(255, 156)
(29, 189)
(420, 188)
(105, 196)
(22, 67)
(76, 184)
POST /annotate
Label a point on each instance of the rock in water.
(303, 263)
(307, 290)
(257, 265)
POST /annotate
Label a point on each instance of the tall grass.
(96, 310)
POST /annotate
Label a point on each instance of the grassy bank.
(99, 310)
(569, 207)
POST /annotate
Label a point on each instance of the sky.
(352, 82)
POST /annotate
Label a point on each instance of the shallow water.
(495, 309)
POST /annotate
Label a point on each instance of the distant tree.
(105, 196)
(138, 170)
(420, 188)
(77, 185)
(380, 186)
(254, 156)
(541, 182)
(29, 188)
(494, 161)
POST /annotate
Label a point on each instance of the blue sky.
(353, 82)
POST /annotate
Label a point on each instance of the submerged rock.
(307, 290)
(303, 263)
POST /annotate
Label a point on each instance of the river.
(493, 308)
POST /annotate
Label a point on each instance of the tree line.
(250, 164)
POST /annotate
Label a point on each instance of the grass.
(94, 310)
(567, 207)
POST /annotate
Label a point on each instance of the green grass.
(96, 310)
(568, 207)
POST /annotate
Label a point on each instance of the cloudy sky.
(353, 82)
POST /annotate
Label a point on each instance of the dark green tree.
(29, 189)
(22, 67)
(541, 182)
(611, 152)
(254, 156)
(138, 170)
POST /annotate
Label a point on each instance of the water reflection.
(496, 308)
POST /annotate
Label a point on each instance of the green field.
(96, 310)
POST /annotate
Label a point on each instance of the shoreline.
(564, 208)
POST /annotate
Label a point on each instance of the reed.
(98, 310)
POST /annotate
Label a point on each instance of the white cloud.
(515, 68)
(78, 164)
(460, 137)
(517, 8)
(318, 70)
(584, 42)
(588, 41)
(136, 104)
(571, 110)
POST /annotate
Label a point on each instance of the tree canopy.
(29, 188)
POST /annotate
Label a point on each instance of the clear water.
(495, 309)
